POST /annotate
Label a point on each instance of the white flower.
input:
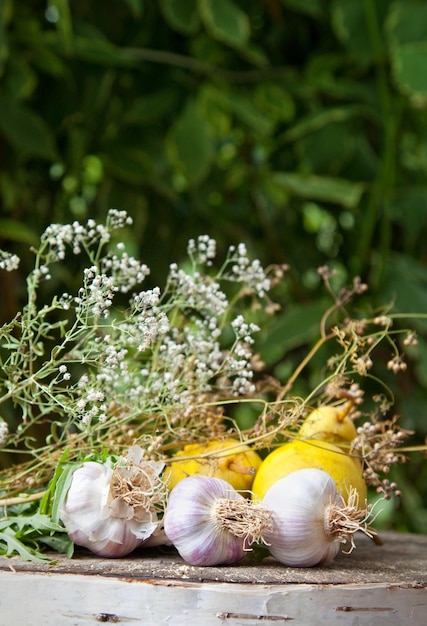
(8, 262)
(4, 431)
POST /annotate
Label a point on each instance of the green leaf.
(21, 534)
(20, 80)
(61, 489)
(409, 68)
(59, 543)
(38, 523)
(151, 107)
(324, 117)
(225, 22)
(321, 188)
(274, 101)
(406, 283)
(92, 48)
(354, 21)
(64, 22)
(58, 487)
(25, 130)
(181, 15)
(298, 326)
(190, 144)
(407, 22)
(137, 7)
(409, 209)
(10, 545)
(244, 109)
(313, 8)
(5, 15)
(17, 231)
(131, 165)
(330, 150)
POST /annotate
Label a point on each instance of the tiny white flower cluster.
(63, 371)
(249, 272)
(158, 355)
(4, 432)
(148, 322)
(202, 251)
(57, 237)
(96, 296)
(91, 403)
(126, 271)
(198, 291)
(118, 219)
(8, 262)
(244, 330)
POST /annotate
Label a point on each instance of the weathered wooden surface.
(378, 585)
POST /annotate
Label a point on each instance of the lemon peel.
(329, 423)
(229, 459)
(345, 470)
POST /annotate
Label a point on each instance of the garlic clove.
(113, 510)
(310, 520)
(120, 543)
(191, 526)
(85, 506)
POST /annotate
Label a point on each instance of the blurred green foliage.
(296, 126)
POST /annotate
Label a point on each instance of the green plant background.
(296, 126)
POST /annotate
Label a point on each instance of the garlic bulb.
(111, 510)
(210, 523)
(310, 519)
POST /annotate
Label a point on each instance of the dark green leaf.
(225, 21)
(129, 164)
(182, 15)
(137, 7)
(93, 49)
(314, 8)
(322, 188)
(275, 101)
(244, 110)
(20, 80)
(322, 118)
(64, 22)
(25, 130)
(5, 15)
(407, 284)
(12, 230)
(191, 146)
(299, 325)
(151, 107)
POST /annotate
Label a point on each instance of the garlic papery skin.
(310, 520)
(112, 509)
(210, 523)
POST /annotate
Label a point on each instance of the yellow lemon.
(345, 470)
(228, 459)
(329, 423)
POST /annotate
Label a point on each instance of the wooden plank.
(375, 585)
